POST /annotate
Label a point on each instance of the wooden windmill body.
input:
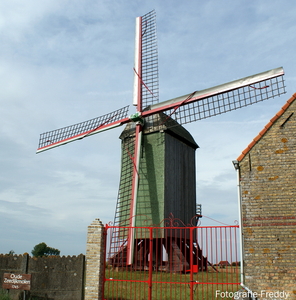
(167, 173)
(166, 188)
(158, 154)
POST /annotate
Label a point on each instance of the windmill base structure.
(158, 154)
(166, 190)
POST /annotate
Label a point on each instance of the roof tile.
(264, 130)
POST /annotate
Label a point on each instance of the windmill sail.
(58, 137)
(146, 83)
(150, 91)
(222, 98)
(119, 237)
(146, 92)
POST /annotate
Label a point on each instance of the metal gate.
(173, 263)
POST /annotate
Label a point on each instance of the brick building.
(267, 182)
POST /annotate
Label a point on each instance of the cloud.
(64, 62)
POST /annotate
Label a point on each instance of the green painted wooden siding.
(150, 202)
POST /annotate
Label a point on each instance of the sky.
(63, 62)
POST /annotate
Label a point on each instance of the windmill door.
(173, 263)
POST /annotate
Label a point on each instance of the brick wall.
(268, 192)
(95, 261)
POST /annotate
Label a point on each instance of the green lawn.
(203, 285)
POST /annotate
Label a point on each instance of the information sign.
(16, 281)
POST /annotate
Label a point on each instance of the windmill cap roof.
(267, 127)
(161, 122)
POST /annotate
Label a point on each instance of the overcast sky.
(63, 62)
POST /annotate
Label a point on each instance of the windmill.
(155, 122)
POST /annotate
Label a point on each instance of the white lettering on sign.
(16, 281)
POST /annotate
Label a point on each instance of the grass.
(4, 295)
(167, 286)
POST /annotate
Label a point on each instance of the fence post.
(95, 255)
(24, 269)
(191, 263)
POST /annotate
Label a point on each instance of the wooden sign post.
(12, 281)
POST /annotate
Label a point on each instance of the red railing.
(173, 263)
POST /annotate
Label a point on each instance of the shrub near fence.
(53, 277)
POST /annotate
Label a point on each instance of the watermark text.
(263, 295)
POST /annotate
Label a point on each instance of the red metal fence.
(173, 263)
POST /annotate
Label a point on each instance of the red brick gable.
(264, 130)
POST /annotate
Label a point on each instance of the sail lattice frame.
(150, 88)
(212, 105)
(119, 236)
(83, 129)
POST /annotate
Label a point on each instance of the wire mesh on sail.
(223, 102)
(150, 93)
(86, 127)
(122, 214)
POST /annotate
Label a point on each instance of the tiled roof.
(264, 130)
